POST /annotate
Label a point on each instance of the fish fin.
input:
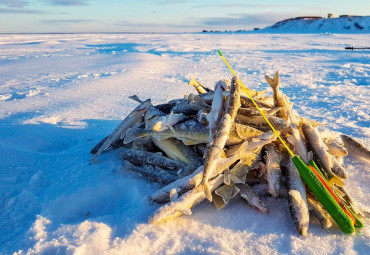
(269, 80)
(226, 192)
(134, 133)
(226, 93)
(188, 142)
(192, 81)
(172, 130)
(218, 201)
(135, 98)
(227, 178)
(236, 179)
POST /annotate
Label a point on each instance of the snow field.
(60, 94)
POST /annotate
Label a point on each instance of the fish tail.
(135, 133)
(196, 85)
(135, 98)
(273, 82)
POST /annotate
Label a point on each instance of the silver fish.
(184, 203)
(185, 183)
(189, 130)
(217, 111)
(336, 149)
(144, 144)
(166, 122)
(334, 142)
(252, 198)
(338, 170)
(156, 174)
(140, 157)
(321, 150)
(260, 123)
(262, 190)
(348, 200)
(176, 150)
(233, 101)
(239, 133)
(164, 108)
(297, 199)
(214, 152)
(321, 214)
(248, 112)
(219, 135)
(186, 108)
(278, 96)
(356, 148)
(273, 170)
(297, 141)
(247, 102)
(254, 143)
(127, 123)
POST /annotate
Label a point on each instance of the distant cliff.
(351, 24)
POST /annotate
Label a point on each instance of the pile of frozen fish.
(215, 145)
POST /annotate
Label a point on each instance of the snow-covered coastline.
(60, 94)
(355, 24)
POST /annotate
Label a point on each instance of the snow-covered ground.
(60, 94)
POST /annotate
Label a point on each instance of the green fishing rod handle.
(358, 224)
(323, 195)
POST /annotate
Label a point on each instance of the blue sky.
(160, 16)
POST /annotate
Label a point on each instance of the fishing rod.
(313, 178)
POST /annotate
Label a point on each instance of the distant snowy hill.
(356, 24)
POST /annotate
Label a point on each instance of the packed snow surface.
(60, 94)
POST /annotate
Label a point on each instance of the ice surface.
(60, 94)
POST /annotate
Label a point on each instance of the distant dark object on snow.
(357, 48)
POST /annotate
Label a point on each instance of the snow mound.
(355, 24)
